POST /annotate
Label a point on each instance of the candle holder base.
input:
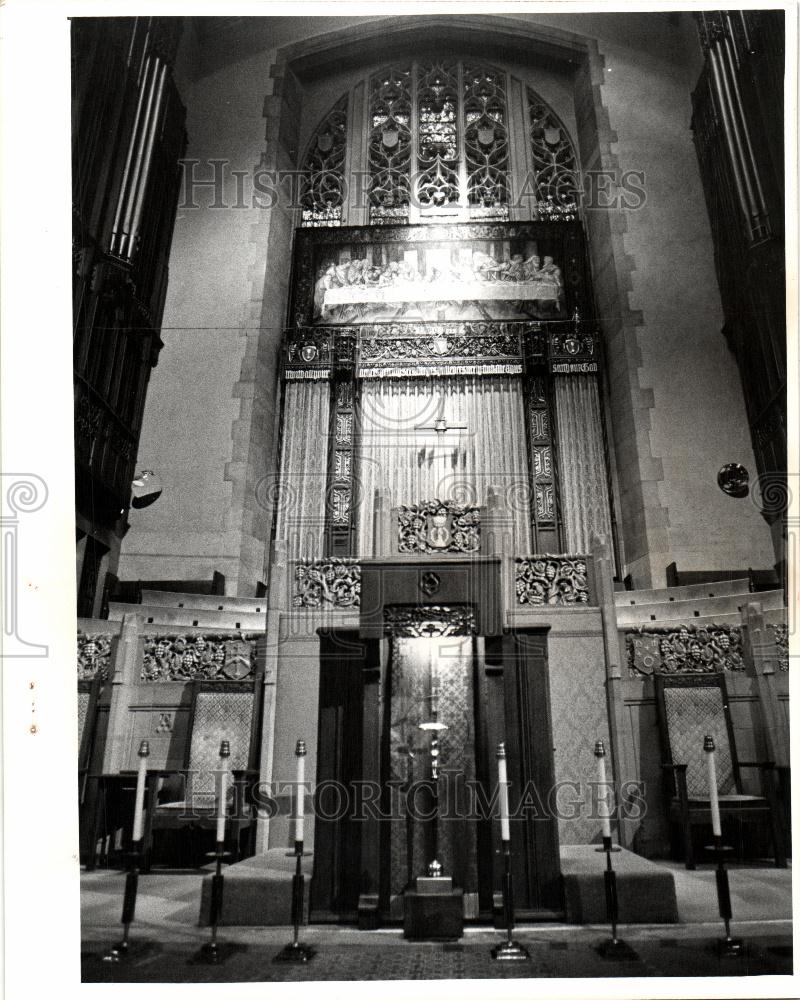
(125, 950)
(729, 947)
(510, 951)
(216, 952)
(297, 954)
(617, 951)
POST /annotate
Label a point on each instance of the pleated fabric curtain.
(583, 488)
(414, 464)
(304, 469)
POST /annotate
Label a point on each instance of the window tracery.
(486, 140)
(437, 146)
(554, 162)
(389, 145)
(324, 184)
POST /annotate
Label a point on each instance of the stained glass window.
(437, 146)
(389, 145)
(323, 183)
(554, 162)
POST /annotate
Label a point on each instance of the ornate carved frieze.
(447, 347)
(307, 353)
(541, 463)
(189, 657)
(782, 642)
(438, 526)
(94, 654)
(572, 351)
(336, 582)
(429, 621)
(684, 649)
(341, 463)
(560, 241)
(551, 579)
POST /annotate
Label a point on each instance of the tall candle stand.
(122, 948)
(296, 951)
(509, 950)
(615, 947)
(214, 952)
(728, 946)
(436, 728)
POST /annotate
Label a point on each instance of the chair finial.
(144, 748)
(709, 745)
(300, 750)
(501, 750)
(225, 748)
(599, 749)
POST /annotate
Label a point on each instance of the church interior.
(430, 458)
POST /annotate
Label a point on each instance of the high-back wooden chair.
(220, 710)
(691, 707)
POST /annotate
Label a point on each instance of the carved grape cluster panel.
(684, 649)
(94, 655)
(336, 582)
(551, 579)
(189, 657)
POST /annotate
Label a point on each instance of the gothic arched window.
(323, 189)
(555, 164)
(436, 141)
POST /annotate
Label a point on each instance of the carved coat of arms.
(238, 663)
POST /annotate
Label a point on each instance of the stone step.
(690, 610)
(155, 614)
(645, 891)
(690, 592)
(258, 891)
(205, 602)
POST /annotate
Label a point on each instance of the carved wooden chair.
(691, 706)
(186, 800)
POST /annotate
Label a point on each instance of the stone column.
(279, 602)
(127, 664)
(583, 483)
(622, 753)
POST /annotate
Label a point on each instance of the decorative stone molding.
(190, 657)
(94, 655)
(781, 633)
(336, 582)
(429, 621)
(551, 579)
(439, 526)
(684, 649)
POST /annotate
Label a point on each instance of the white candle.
(299, 808)
(224, 755)
(138, 804)
(602, 788)
(713, 794)
(502, 785)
